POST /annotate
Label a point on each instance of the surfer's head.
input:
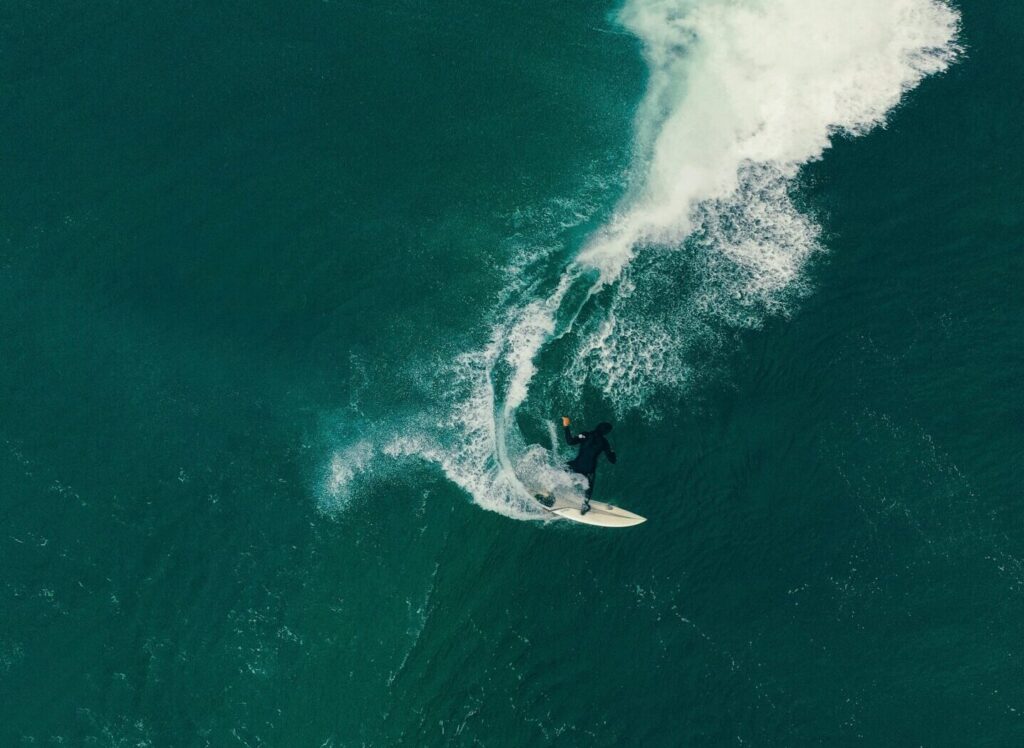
(603, 428)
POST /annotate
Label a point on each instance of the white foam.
(741, 95)
(346, 466)
(765, 83)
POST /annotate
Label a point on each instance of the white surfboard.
(600, 514)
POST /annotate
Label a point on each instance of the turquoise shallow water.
(249, 253)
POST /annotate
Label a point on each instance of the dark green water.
(242, 246)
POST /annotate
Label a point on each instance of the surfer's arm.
(570, 439)
(610, 453)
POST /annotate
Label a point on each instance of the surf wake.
(709, 235)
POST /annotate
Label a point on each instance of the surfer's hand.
(565, 420)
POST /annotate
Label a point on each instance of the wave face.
(708, 237)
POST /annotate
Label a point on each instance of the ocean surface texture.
(294, 294)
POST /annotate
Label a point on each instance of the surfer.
(592, 444)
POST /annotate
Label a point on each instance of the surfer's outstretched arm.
(569, 438)
(609, 452)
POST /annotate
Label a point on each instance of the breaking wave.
(741, 95)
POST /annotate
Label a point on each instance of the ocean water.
(292, 296)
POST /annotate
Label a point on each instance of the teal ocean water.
(292, 296)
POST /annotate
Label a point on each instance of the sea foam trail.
(741, 94)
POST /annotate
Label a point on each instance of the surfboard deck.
(601, 514)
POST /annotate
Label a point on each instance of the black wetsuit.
(592, 444)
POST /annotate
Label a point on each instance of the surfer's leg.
(590, 485)
(586, 494)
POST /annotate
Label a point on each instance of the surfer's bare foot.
(585, 508)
